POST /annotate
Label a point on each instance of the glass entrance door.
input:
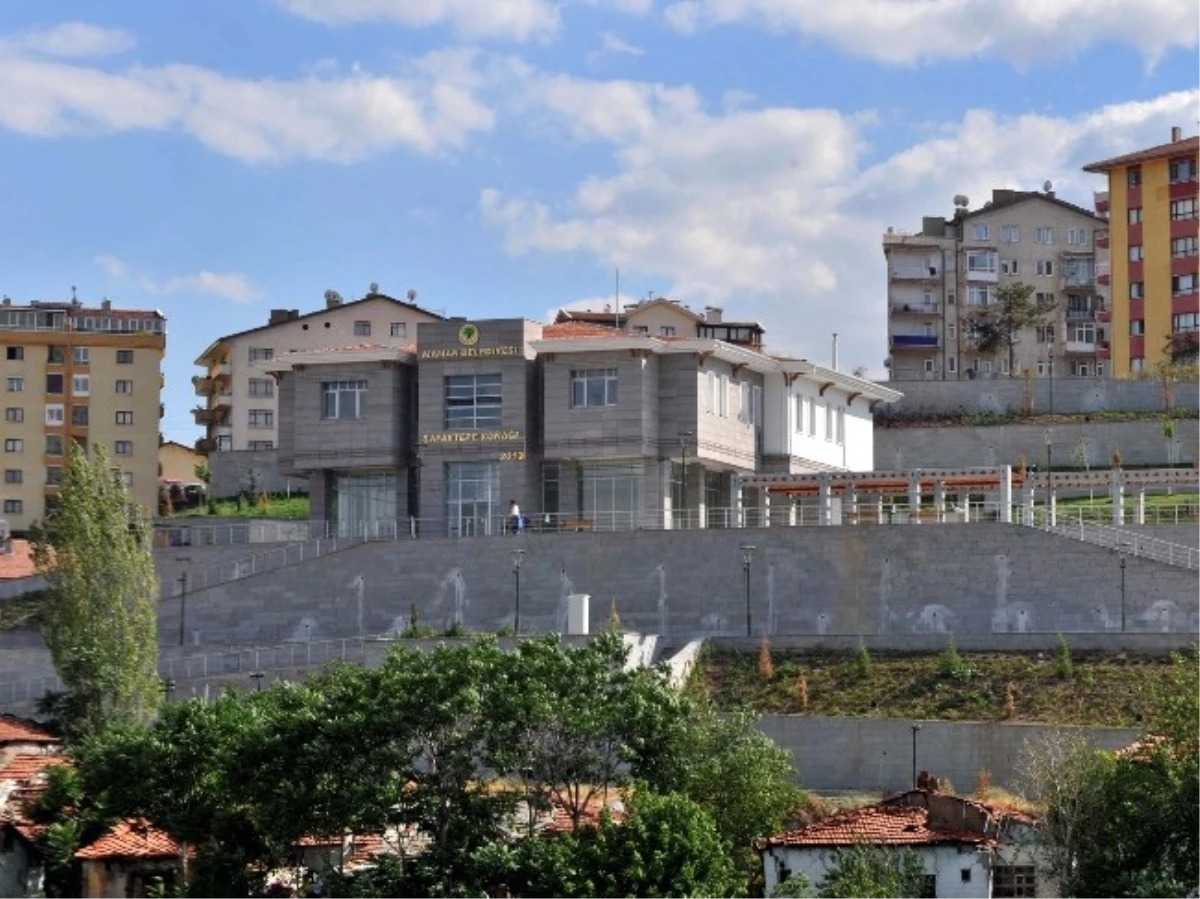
(473, 505)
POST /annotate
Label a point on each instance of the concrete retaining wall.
(1071, 395)
(1139, 442)
(231, 473)
(962, 578)
(866, 754)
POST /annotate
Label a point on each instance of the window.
(1183, 246)
(841, 426)
(82, 355)
(982, 261)
(79, 416)
(362, 329)
(343, 400)
(1182, 170)
(399, 329)
(1135, 253)
(124, 357)
(224, 443)
(14, 476)
(798, 414)
(16, 385)
(1183, 284)
(1135, 215)
(979, 232)
(1003, 366)
(951, 330)
(474, 402)
(641, 329)
(723, 396)
(710, 400)
(1044, 298)
(1084, 333)
(1009, 267)
(810, 415)
(1077, 237)
(14, 445)
(929, 367)
(55, 355)
(1137, 290)
(979, 296)
(54, 445)
(123, 447)
(1045, 267)
(260, 445)
(1133, 176)
(54, 383)
(667, 331)
(14, 353)
(13, 506)
(1187, 321)
(965, 875)
(1099, 369)
(1010, 233)
(1043, 235)
(986, 366)
(261, 418)
(952, 364)
(261, 354)
(1137, 363)
(53, 475)
(262, 387)
(1045, 334)
(1080, 369)
(14, 414)
(81, 385)
(590, 387)
(124, 418)
(830, 419)
(744, 403)
(124, 386)
(1137, 327)
(1183, 209)
(127, 478)
(1014, 880)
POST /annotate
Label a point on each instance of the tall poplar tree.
(102, 593)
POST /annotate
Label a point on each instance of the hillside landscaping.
(288, 508)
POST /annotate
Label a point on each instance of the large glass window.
(593, 387)
(611, 494)
(363, 499)
(472, 402)
(344, 399)
(473, 504)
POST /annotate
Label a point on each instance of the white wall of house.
(961, 872)
(822, 429)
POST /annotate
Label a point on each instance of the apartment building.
(82, 374)
(662, 317)
(1153, 231)
(586, 426)
(941, 278)
(239, 408)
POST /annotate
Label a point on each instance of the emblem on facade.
(468, 335)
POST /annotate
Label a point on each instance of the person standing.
(514, 513)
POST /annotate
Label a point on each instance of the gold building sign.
(462, 437)
(469, 352)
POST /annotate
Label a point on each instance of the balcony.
(900, 308)
(1084, 313)
(206, 445)
(1081, 346)
(212, 415)
(1101, 202)
(913, 273)
(1083, 279)
(914, 341)
(1101, 237)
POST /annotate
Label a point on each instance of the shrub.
(1063, 666)
(951, 664)
(802, 692)
(1010, 700)
(862, 661)
(766, 667)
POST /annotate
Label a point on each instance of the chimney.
(106, 305)
(1176, 134)
(712, 314)
(835, 351)
(278, 316)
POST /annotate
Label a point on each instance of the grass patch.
(23, 612)
(1153, 500)
(293, 508)
(1096, 688)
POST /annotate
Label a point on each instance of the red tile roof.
(18, 563)
(26, 765)
(135, 838)
(560, 817)
(903, 826)
(1162, 151)
(21, 730)
(582, 331)
(26, 771)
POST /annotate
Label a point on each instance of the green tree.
(1012, 310)
(869, 871)
(101, 595)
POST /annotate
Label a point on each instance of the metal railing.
(236, 533)
(1112, 537)
(1177, 513)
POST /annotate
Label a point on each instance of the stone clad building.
(585, 426)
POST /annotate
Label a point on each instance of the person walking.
(514, 513)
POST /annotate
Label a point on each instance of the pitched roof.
(27, 765)
(133, 838)
(583, 331)
(877, 826)
(22, 730)
(1174, 148)
(26, 771)
(612, 319)
(18, 563)
(1013, 198)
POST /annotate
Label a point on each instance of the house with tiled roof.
(22, 781)
(967, 848)
(128, 858)
(21, 736)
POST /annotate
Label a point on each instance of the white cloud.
(70, 39)
(613, 45)
(905, 32)
(233, 286)
(332, 118)
(770, 212)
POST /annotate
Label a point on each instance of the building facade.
(1153, 231)
(662, 317)
(584, 426)
(73, 373)
(942, 279)
(239, 408)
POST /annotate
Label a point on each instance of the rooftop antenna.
(374, 288)
(961, 201)
(617, 305)
(73, 298)
(1048, 186)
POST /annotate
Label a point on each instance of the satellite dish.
(1048, 186)
(961, 200)
(412, 295)
(374, 288)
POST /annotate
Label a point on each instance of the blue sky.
(216, 159)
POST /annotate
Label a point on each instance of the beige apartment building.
(70, 372)
(943, 277)
(239, 408)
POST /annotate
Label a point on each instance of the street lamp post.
(1122, 591)
(257, 677)
(518, 556)
(683, 446)
(1049, 438)
(915, 728)
(747, 561)
(183, 585)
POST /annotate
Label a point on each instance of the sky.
(217, 159)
